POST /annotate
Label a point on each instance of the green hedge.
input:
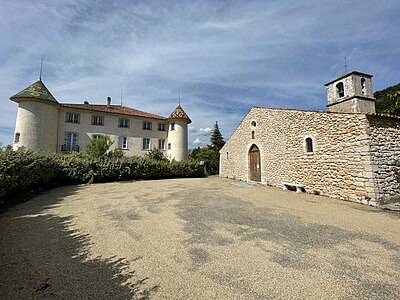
(24, 170)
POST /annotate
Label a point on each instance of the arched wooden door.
(254, 163)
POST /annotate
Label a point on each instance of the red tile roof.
(115, 109)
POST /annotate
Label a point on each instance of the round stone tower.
(37, 118)
(178, 134)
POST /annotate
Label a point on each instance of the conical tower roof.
(37, 91)
(180, 114)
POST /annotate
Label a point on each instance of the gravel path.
(208, 238)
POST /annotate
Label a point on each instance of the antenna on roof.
(41, 67)
(179, 96)
(345, 64)
(121, 97)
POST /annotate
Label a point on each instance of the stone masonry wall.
(385, 150)
(339, 167)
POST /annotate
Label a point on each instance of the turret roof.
(36, 90)
(180, 114)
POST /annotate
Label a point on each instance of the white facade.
(178, 140)
(43, 124)
(32, 128)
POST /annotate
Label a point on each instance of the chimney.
(108, 102)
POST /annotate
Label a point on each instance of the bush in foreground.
(24, 170)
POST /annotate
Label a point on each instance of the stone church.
(44, 124)
(347, 152)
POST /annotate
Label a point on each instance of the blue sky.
(223, 56)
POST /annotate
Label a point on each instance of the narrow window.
(70, 142)
(146, 125)
(309, 145)
(123, 142)
(363, 86)
(227, 155)
(161, 144)
(16, 138)
(72, 118)
(172, 126)
(161, 127)
(253, 135)
(340, 89)
(146, 144)
(123, 123)
(169, 146)
(98, 120)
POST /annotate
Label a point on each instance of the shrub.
(21, 170)
(156, 154)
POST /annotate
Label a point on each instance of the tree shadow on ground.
(41, 258)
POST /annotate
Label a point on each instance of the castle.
(44, 124)
(348, 152)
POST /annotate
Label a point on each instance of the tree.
(394, 108)
(101, 148)
(388, 100)
(217, 140)
(156, 154)
(210, 154)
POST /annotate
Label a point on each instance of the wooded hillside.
(388, 100)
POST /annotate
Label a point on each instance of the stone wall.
(339, 166)
(385, 150)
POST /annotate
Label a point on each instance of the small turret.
(178, 134)
(351, 92)
(37, 118)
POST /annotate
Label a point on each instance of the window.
(253, 135)
(16, 138)
(309, 147)
(72, 118)
(169, 146)
(70, 142)
(98, 120)
(123, 142)
(146, 125)
(172, 126)
(96, 136)
(363, 86)
(161, 144)
(123, 123)
(227, 155)
(146, 144)
(161, 127)
(253, 123)
(340, 89)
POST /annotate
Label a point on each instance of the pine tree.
(217, 140)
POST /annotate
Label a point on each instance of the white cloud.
(204, 131)
(199, 143)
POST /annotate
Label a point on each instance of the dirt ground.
(208, 238)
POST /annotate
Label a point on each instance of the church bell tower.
(351, 92)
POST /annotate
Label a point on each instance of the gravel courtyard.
(208, 238)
